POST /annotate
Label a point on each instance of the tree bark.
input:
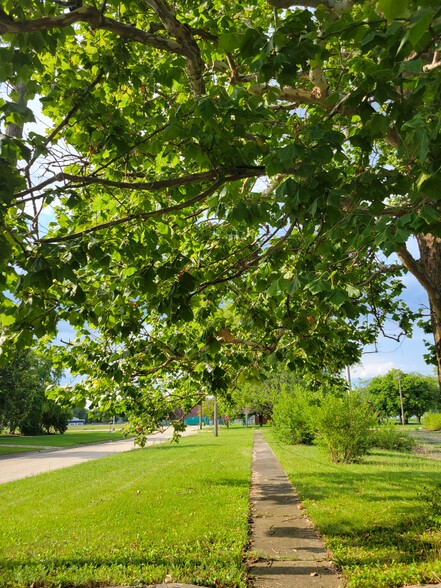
(430, 266)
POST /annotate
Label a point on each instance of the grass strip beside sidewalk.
(5, 450)
(169, 511)
(68, 439)
(381, 518)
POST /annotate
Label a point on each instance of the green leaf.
(353, 292)
(293, 286)
(394, 8)
(338, 297)
(230, 41)
(419, 26)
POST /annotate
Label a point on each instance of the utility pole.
(348, 377)
(401, 399)
(200, 415)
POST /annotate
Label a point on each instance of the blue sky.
(408, 355)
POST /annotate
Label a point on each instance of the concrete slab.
(287, 574)
(292, 538)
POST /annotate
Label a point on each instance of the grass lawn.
(11, 450)
(68, 439)
(175, 511)
(381, 519)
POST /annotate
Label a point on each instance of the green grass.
(134, 518)
(381, 519)
(12, 450)
(68, 439)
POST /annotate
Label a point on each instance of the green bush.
(432, 421)
(387, 436)
(292, 418)
(346, 426)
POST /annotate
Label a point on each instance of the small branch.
(386, 269)
(291, 94)
(69, 115)
(435, 63)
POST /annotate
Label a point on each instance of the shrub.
(345, 426)
(292, 418)
(432, 421)
(387, 436)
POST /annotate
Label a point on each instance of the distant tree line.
(24, 406)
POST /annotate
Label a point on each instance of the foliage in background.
(218, 187)
(420, 394)
(293, 414)
(432, 421)
(23, 402)
(345, 426)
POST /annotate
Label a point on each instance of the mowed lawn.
(381, 519)
(168, 512)
(68, 439)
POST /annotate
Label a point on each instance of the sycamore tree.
(219, 188)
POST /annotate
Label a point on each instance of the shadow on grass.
(406, 543)
(184, 558)
(166, 446)
(228, 482)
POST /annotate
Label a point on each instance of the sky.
(408, 354)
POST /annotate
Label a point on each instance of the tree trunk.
(430, 266)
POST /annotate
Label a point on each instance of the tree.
(420, 394)
(19, 391)
(23, 402)
(224, 181)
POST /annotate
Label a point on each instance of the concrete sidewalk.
(286, 550)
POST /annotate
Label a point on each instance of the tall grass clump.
(388, 436)
(432, 421)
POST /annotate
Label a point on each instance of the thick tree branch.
(413, 266)
(93, 17)
(184, 37)
(141, 216)
(227, 175)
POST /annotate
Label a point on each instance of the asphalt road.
(30, 464)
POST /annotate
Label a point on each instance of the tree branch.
(93, 17)
(184, 37)
(141, 216)
(228, 175)
(413, 266)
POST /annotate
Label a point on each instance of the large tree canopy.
(220, 185)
